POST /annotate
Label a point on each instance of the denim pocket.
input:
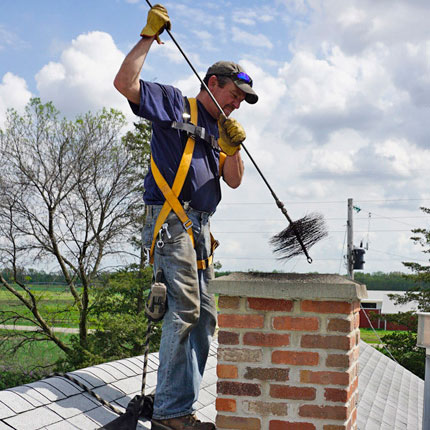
(148, 226)
(147, 233)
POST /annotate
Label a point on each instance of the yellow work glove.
(157, 21)
(231, 135)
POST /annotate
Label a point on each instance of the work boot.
(188, 422)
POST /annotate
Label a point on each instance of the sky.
(343, 110)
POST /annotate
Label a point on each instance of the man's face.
(228, 97)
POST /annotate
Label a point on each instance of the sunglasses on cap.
(241, 76)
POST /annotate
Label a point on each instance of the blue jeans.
(190, 320)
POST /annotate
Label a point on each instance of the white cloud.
(13, 94)
(9, 39)
(358, 25)
(83, 78)
(251, 39)
(251, 17)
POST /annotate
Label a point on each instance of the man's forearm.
(233, 170)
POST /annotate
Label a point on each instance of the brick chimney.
(288, 351)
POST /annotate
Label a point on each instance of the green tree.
(403, 344)
(119, 321)
(68, 198)
(394, 281)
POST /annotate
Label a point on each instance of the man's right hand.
(157, 21)
(231, 135)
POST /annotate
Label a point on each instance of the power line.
(330, 231)
(396, 255)
(327, 218)
(327, 202)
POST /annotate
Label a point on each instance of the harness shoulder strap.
(171, 194)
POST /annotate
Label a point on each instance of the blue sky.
(343, 112)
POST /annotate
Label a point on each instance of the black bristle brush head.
(310, 229)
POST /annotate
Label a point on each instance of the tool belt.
(171, 194)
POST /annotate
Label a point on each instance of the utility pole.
(350, 242)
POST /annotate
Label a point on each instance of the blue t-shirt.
(162, 104)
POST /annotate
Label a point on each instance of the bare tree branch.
(66, 196)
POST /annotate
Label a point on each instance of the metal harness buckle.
(187, 224)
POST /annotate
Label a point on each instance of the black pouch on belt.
(156, 305)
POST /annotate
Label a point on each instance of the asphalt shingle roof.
(390, 397)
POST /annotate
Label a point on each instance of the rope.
(146, 353)
(374, 331)
(95, 395)
(89, 391)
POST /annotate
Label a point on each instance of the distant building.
(378, 303)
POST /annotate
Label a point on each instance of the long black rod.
(278, 202)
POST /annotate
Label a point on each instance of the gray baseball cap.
(238, 75)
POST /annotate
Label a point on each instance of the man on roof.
(182, 191)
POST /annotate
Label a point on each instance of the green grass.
(32, 362)
(41, 353)
(369, 336)
(55, 304)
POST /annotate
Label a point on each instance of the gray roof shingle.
(390, 397)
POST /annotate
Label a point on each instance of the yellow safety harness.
(171, 194)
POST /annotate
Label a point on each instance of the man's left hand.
(158, 19)
(231, 135)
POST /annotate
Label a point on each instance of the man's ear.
(213, 82)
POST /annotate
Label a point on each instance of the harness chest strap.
(171, 194)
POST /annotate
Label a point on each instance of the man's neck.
(204, 98)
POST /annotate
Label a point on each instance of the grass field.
(369, 336)
(33, 355)
(55, 302)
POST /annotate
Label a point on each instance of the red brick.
(356, 306)
(323, 412)
(356, 353)
(240, 321)
(356, 320)
(261, 304)
(237, 423)
(353, 388)
(337, 324)
(294, 393)
(228, 338)
(266, 339)
(226, 371)
(326, 307)
(241, 355)
(336, 395)
(325, 378)
(267, 374)
(225, 405)
(228, 302)
(296, 323)
(354, 415)
(295, 358)
(327, 342)
(341, 395)
(284, 425)
(238, 389)
(339, 360)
